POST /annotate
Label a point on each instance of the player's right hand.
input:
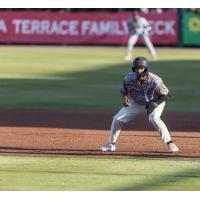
(126, 102)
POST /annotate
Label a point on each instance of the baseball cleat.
(128, 58)
(172, 148)
(108, 147)
(155, 57)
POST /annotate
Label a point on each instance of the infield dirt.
(61, 132)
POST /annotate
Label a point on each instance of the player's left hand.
(150, 107)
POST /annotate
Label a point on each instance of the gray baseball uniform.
(139, 97)
(139, 28)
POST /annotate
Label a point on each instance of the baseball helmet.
(141, 62)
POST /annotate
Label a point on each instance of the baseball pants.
(133, 39)
(127, 114)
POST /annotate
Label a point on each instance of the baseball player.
(145, 92)
(139, 27)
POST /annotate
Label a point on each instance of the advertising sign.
(191, 29)
(81, 28)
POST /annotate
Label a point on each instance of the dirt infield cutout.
(42, 132)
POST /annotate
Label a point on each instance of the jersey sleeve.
(146, 25)
(161, 88)
(124, 90)
(145, 22)
(130, 26)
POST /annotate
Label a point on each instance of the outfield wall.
(190, 29)
(24, 27)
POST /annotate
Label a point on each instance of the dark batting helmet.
(141, 62)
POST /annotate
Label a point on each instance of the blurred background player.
(139, 27)
(143, 92)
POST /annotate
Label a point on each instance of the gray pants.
(133, 39)
(127, 114)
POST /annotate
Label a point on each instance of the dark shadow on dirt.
(99, 120)
(65, 152)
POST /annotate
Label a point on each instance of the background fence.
(169, 28)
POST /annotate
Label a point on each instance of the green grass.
(102, 174)
(90, 77)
